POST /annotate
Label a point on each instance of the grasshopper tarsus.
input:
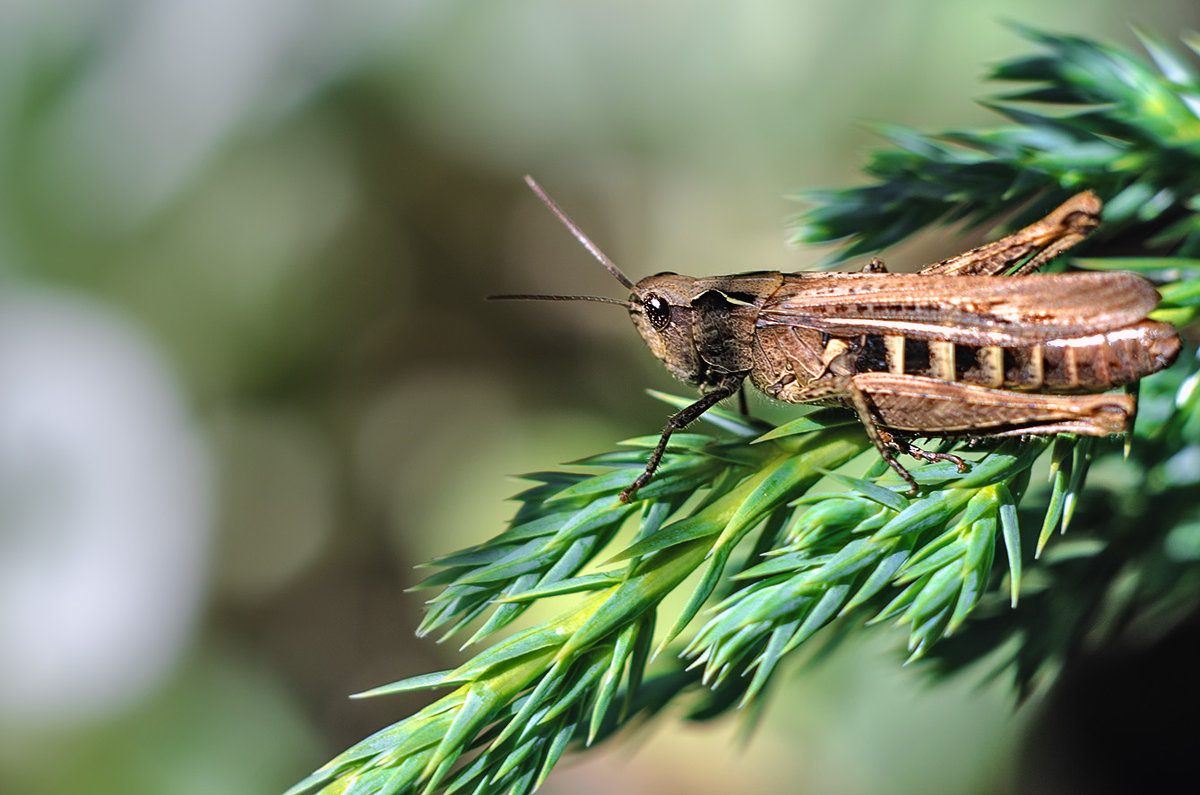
(933, 457)
(892, 442)
(626, 495)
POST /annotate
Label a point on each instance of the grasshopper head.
(661, 309)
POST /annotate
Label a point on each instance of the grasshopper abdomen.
(1069, 365)
(1099, 362)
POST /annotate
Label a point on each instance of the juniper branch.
(800, 530)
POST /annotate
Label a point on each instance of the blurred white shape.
(104, 512)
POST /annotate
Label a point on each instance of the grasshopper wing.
(984, 310)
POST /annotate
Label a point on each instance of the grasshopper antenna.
(531, 297)
(579, 235)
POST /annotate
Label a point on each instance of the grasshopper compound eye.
(658, 311)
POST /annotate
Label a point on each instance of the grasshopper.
(976, 345)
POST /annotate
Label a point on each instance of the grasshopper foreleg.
(678, 422)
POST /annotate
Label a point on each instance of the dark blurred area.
(248, 380)
(1122, 721)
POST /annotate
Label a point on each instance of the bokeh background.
(248, 380)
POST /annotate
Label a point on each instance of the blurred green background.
(248, 381)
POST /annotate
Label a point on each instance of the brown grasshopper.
(976, 345)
